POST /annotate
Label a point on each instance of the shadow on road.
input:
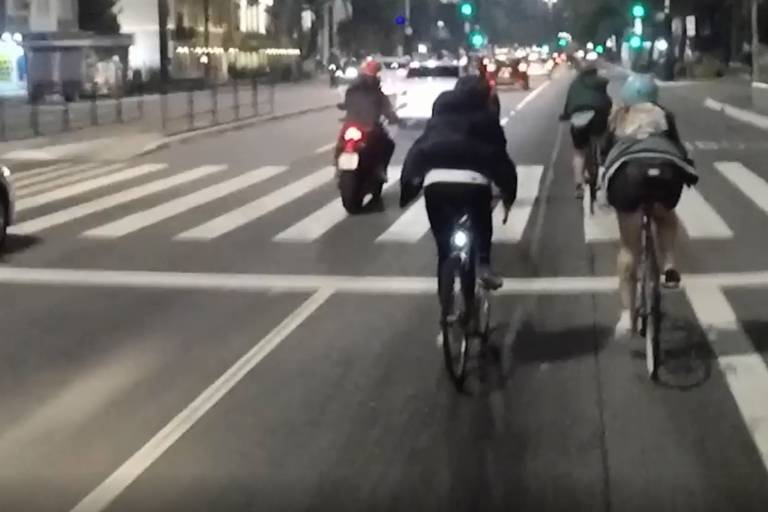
(687, 357)
(18, 243)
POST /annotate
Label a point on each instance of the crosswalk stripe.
(529, 182)
(410, 227)
(25, 181)
(749, 183)
(320, 222)
(601, 226)
(23, 175)
(87, 186)
(255, 209)
(110, 201)
(164, 211)
(26, 191)
(701, 221)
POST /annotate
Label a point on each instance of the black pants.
(381, 146)
(446, 203)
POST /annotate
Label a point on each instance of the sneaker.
(624, 326)
(671, 279)
(490, 280)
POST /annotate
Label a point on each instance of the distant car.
(7, 203)
(538, 65)
(424, 82)
(512, 72)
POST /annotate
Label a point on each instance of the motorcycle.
(357, 173)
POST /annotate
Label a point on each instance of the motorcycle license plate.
(348, 161)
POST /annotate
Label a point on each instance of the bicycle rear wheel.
(592, 170)
(652, 300)
(454, 321)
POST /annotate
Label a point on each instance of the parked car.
(7, 203)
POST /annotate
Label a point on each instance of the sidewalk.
(121, 141)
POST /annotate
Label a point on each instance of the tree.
(99, 16)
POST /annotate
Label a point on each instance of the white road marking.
(701, 221)
(258, 208)
(707, 145)
(529, 183)
(531, 96)
(110, 201)
(749, 183)
(103, 495)
(324, 149)
(172, 208)
(87, 186)
(26, 179)
(23, 175)
(740, 114)
(313, 227)
(742, 367)
(410, 227)
(601, 226)
(394, 285)
(28, 190)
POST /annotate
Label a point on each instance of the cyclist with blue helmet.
(643, 133)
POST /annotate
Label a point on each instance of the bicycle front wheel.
(454, 321)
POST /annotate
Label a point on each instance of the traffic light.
(400, 20)
(638, 11)
(600, 49)
(635, 42)
(477, 39)
(467, 9)
(562, 42)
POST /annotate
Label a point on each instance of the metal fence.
(225, 103)
(172, 113)
(21, 120)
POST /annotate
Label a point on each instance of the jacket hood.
(459, 102)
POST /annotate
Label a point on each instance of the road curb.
(739, 114)
(227, 127)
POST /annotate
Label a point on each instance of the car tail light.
(353, 134)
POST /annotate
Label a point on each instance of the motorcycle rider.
(462, 151)
(588, 92)
(643, 133)
(365, 104)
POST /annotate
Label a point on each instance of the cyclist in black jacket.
(462, 152)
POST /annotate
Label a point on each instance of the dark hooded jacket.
(463, 134)
(588, 91)
(365, 102)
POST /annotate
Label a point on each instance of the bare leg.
(630, 227)
(579, 161)
(667, 225)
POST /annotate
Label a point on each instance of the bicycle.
(464, 302)
(581, 120)
(592, 169)
(648, 292)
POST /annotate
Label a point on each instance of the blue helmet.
(640, 89)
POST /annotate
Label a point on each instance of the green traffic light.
(638, 10)
(600, 49)
(477, 40)
(635, 42)
(467, 9)
(562, 42)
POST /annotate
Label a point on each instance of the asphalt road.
(201, 329)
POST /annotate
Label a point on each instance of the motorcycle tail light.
(353, 134)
